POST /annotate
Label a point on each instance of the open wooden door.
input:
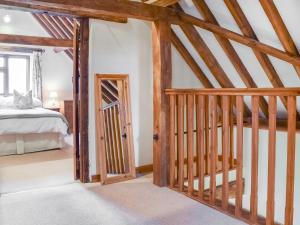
(114, 130)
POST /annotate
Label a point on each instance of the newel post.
(162, 79)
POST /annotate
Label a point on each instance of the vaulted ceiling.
(214, 74)
(60, 27)
(192, 46)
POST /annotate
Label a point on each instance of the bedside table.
(54, 109)
(67, 110)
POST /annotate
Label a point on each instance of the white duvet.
(32, 125)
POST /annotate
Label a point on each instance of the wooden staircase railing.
(206, 140)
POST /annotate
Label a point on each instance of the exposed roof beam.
(204, 52)
(138, 10)
(66, 24)
(30, 40)
(163, 3)
(53, 29)
(248, 41)
(209, 59)
(247, 30)
(65, 30)
(52, 26)
(190, 61)
(281, 29)
(44, 24)
(230, 52)
(99, 9)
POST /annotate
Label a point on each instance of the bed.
(31, 130)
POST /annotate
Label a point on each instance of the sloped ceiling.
(60, 27)
(225, 63)
(219, 62)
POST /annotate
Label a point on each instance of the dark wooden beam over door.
(84, 99)
(162, 79)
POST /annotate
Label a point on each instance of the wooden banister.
(254, 159)
(197, 117)
(213, 146)
(239, 147)
(289, 205)
(238, 91)
(200, 123)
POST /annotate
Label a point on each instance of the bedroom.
(36, 108)
(214, 93)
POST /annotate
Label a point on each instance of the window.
(14, 73)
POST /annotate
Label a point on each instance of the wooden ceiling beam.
(58, 22)
(30, 40)
(56, 29)
(280, 29)
(245, 40)
(204, 52)
(163, 3)
(190, 61)
(49, 27)
(66, 24)
(139, 10)
(247, 30)
(43, 24)
(47, 22)
(100, 9)
(69, 53)
(209, 59)
(244, 74)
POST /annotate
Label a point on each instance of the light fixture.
(53, 98)
(7, 19)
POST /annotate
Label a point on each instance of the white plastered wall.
(127, 49)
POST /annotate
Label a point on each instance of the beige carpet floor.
(135, 202)
(36, 170)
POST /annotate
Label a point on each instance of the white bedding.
(32, 125)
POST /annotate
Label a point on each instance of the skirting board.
(141, 169)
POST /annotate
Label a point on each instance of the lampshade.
(53, 94)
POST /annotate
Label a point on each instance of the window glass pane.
(1, 61)
(1, 83)
(17, 68)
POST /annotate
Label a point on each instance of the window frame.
(5, 71)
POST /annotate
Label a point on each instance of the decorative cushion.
(7, 102)
(23, 101)
(37, 103)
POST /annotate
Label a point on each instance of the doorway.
(114, 128)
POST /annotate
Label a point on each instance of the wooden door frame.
(100, 151)
(80, 89)
(81, 100)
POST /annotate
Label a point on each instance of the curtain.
(37, 76)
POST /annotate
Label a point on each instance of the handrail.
(238, 91)
(209, 111)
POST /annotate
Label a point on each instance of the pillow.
(7, 102)
(23, 101)
(37, 103)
